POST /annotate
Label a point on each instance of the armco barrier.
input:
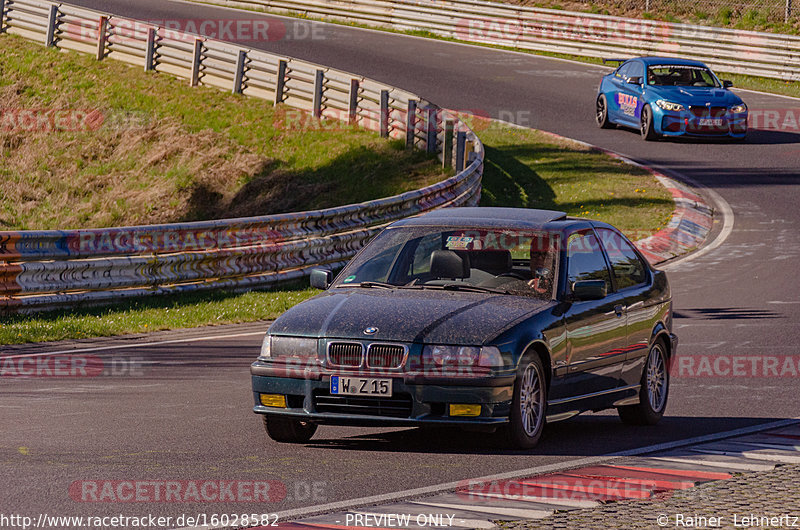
(530, 28)
(47, 269)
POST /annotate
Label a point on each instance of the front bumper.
(416, 399)
(686, 124)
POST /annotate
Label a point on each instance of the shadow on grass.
(509, 182)
(359, 174)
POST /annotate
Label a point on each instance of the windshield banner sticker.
(459, 242)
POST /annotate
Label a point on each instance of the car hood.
(694, 95)
(437, 317)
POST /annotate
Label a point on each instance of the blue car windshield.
(501, 261)
(681, 75)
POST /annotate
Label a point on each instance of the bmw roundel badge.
(370, 330)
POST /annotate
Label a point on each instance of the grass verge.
(531, 169)
(524, 168)
(152, 314)
(127, 155)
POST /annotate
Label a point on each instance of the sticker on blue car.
(628, 103)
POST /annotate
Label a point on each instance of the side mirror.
(321, 278)
(589, 290)
(727, 84)
(635, 80)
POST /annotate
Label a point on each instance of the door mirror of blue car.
(727, 84)
(321, 278)
(636, 80)
(589, 290)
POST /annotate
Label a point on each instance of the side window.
(585, 259)
(637, 70)
(421, 264)
(624, 71)
(625, 263)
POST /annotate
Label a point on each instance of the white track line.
(784, 459)
(136, 345)
(716, 463)
(490, 510)
(763, 445)
(555, 501)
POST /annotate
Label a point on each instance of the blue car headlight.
(738, 109)
(283, 348)
(669, 105)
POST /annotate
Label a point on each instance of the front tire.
(289, 430)
(528, 404)
(601, 113)
(654, 390)
(646, 124)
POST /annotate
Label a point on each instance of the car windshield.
(681, 75)
(499, 261)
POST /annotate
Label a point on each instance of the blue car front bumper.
(685, 123)
(416, 400)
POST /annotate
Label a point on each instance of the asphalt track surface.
(184, 412)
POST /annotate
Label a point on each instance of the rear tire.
(601, 113)
(646, 124)
(654, 390)
(289, 430)
(528, 404)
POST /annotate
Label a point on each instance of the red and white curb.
(477, 504)
(689, 226)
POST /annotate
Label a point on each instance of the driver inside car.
(542, 264)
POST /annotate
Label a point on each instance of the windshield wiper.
(382, 285)
(461, 287)
(472, 288)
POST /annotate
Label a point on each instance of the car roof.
(485, 216)
(651, 61)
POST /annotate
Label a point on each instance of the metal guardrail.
(47, 269)
(529, 28)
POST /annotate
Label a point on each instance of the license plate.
(360, 386)
(710, 122)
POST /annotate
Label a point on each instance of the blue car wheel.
(601, 113)
(646, 124)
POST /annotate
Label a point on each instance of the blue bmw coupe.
(670, 97)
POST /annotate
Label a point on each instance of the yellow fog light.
(465, 410)
(273, 400)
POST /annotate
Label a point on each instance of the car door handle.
(619, 309)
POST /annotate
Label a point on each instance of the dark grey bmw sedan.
(487, 318)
